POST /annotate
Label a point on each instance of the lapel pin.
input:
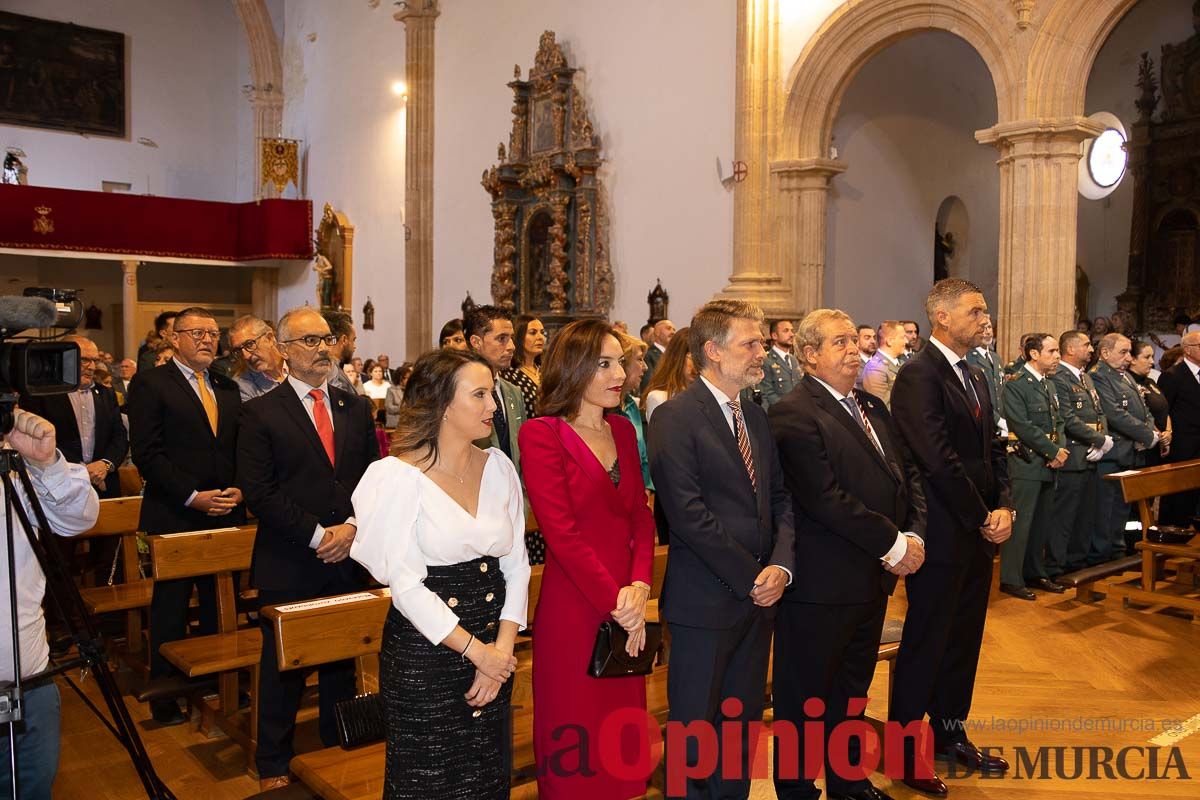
(341, 403)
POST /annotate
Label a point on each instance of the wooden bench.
(1151, 587)
(220, 553)
(1084, 580)
(119, 517)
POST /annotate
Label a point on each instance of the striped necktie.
(743, 440)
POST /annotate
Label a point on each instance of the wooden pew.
(220, 553)
(119, 517)
(1142, 487)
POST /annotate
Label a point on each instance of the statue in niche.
(325, 281)
(92, 317)
(1181, 73)
(659, 302)
(368, 315)
(539, 263)
(943, 251)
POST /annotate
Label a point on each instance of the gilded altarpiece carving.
(334, 260)
(551, 226)
(1164, 159)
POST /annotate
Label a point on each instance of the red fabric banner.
(37, 217)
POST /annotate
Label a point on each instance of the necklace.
(459, 477)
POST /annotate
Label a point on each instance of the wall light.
(399, 89)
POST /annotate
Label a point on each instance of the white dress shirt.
(83, 403)
(893, 556)
(953, 358)
(302, 390)
(407, 523)
(787, 357)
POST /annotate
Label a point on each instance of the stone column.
(1039, 179)
(266, 72)
(418, 17)
(129, 301)
(801, 195)
(757, 275)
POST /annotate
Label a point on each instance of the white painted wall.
(1103, 245)
(906, 129)
(183, 73)
(339, 102)
(659, 78)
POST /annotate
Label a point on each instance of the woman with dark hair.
(674, 373)
(441, 522)
(1152, 396)
(452, 336)
(526, 370)
(584, 479)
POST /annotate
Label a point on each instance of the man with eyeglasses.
(183, 425)
(259, 364)
(301, 452)
(1181, 386)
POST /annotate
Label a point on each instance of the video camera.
(34, 365)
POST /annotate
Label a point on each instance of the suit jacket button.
(491, 626)
(490, 597)
(476, 714)
(452, 602)
(483, 567)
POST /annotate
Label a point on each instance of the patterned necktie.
(322, 422)
(500, 422)
(855, 408)
(207, 400)
(969, 386)
(743, 440)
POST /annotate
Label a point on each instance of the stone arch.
(856, 32)
(265, 93)
(1061, 59)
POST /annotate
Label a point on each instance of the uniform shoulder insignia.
(1012, 376)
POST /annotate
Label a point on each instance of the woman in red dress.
(584, 479)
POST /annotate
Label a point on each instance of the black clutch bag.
(609, 659)
(360, 720)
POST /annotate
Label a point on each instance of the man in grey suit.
(1132, 429)
(732, 538)
(254, 344)
(879, 373)
(781, 371)
(660, 336)
(341, 325)
(489, 331)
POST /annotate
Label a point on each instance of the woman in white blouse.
(376, 388)
(442, 523)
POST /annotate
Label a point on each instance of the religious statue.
(15, 171)
(92, 317)
(658, 301)
(325, 281)
(1082, 287)
(368, 315)
(943, 251)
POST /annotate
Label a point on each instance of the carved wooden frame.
(335, 241)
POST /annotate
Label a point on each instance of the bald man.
(1181, 386)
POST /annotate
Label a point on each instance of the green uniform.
(1078, 482)
(1132, 428)
(779, 377)
(1035, 433)
(989, 364)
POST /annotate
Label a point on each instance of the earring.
(445, 418)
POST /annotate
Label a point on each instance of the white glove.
(1108, 445)
(1156, 438)
(1094, 454)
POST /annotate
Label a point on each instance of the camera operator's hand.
(33, 438)
(97, 472)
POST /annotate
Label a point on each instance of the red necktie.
(321, 420)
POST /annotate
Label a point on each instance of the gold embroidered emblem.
(43, 224)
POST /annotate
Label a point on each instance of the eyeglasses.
(250, 345)
(85, 360)
(200, 334)
(312, 340)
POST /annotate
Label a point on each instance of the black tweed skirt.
(437, 745)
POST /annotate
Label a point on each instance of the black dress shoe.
(870, 793)
(967, 754)
(1047, 585)
(1017, 591)
(933, 786)
(167, 713)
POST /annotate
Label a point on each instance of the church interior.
(403, 162)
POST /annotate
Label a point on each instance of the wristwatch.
(111, 467)
(1012, 513)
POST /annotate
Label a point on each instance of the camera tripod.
(63, 592)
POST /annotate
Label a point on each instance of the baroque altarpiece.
(551, 236)
(1164, 157)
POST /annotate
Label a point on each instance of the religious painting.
(543, 126)
(61, 76)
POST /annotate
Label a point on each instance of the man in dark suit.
(342, 326)
(302, 449)
(859, 514)
(87, 422)
(1181, 386)
(183, 421)
(943, 410)
(660, 336)
(731, 535)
